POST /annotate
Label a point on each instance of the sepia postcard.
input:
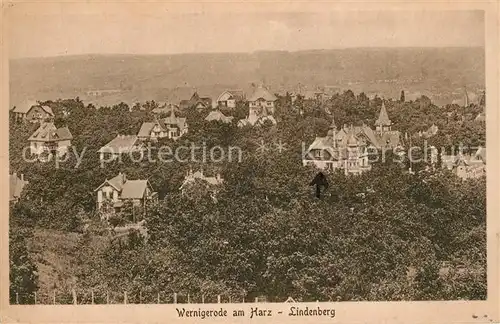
(314, 162)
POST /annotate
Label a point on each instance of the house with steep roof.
(466, 166)
(217, 115)
(48, 140)
(261, 99)
(261, 109)
(174, 126)
(121, 144)
(229, 98)
(152, 131)
(113, 193)
(349, 148)
(196, 101)
(16, 186)
(32, 111)
(171, 127)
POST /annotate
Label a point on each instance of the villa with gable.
(115, 192)
(196, 101)
(466, 166)
(229, 98)
(348, 148)
(171, 127)
(33, 112)
(262, 99)
(261, 108)
(48, 139)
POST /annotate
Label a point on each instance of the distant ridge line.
(83, 55)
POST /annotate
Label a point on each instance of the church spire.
(383, 122)
(332, 132)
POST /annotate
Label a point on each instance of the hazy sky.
(35, 33)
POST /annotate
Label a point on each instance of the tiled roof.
(145, 130)
(48, 132)
(321, 143)
(118, 181)
(24, 107)
(195, 100)
(63, 133)
(326, 144)
(48, 110)
(383, 118)
(233, 94)
(173, 120)
(121, 143)
(263, 93)
(217, 115)
(134, 189)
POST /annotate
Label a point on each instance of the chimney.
(22, 177)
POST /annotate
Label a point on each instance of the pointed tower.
(383, 123)
(332, 133)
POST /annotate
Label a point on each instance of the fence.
(90, 297)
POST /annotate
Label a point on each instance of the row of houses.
(344, 148)
(348, 149)
(112, 194)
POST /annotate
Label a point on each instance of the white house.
(228, 98)
(262, 99)
(48, 139)
(114, 192)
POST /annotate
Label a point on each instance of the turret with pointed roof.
(332, 133)
(332, 130)
(383, 123)
(351, 139)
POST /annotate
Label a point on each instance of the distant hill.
(440, 73)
